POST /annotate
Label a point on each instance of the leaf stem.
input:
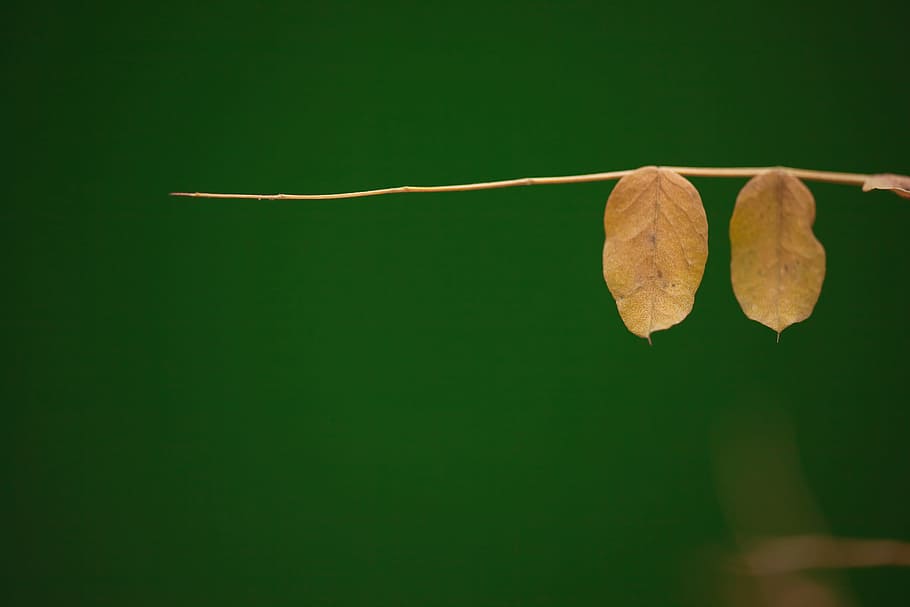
(857, 179)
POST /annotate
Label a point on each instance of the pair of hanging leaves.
(656, 248)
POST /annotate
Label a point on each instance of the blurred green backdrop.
(423, 399)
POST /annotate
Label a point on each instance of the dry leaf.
(777, 264)
(655, 249)
(899, 184)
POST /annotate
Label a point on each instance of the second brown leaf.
(777, 265)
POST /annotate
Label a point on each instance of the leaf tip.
(899, 184)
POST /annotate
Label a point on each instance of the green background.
(424, 399)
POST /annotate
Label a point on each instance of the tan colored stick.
(858, 179)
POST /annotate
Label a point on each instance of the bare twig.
(801, 552)
(857, 179)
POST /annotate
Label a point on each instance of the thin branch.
(857, 179)
(796, 553)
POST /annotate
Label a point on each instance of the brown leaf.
(899, 184)
(777, 264)
(655, 249)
